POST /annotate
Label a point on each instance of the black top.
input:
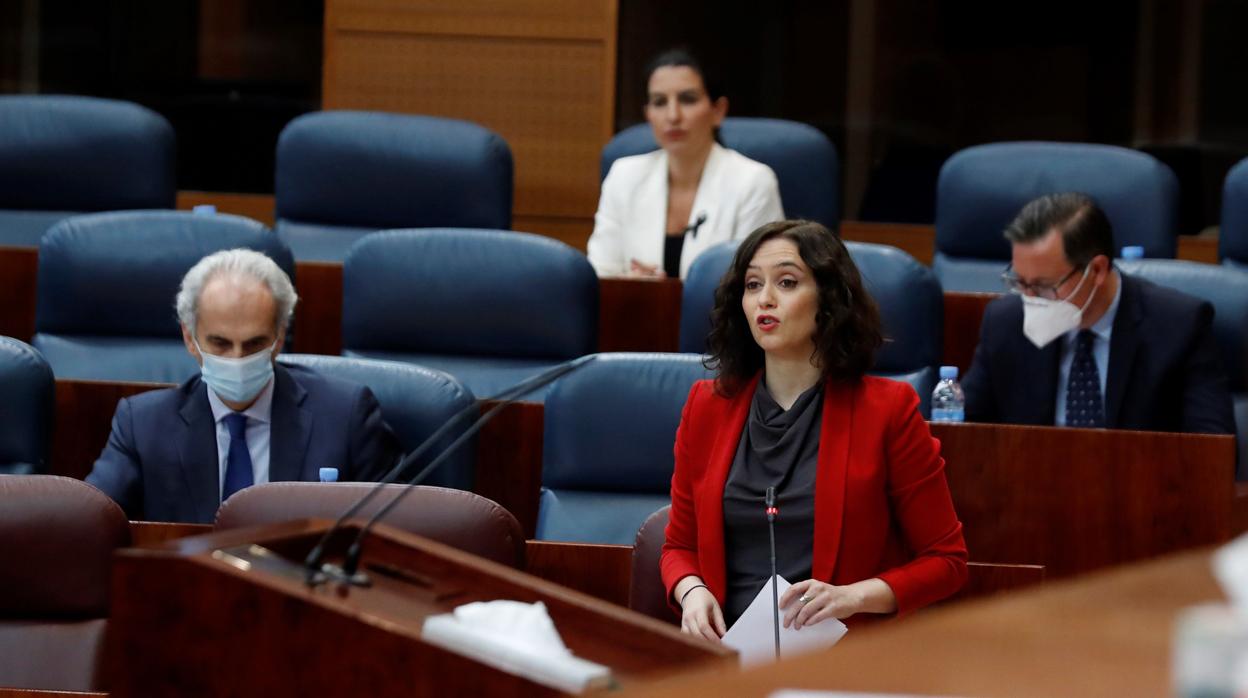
(673, 244)
(777, 449)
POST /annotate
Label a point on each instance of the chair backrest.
(453, 517)
(607, 444)
(354, 170)
(804, 160)
(646, 593)
(64, 154)
(415, 402)
(106, 287)
(1226, 288)
(981, 189)
(57, 537)
(1233, 232)
(26, 410)
(909, 296)
(476, 292)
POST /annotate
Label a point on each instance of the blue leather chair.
(911, 307)
(981, 189)
(607, 445)
(107, 283)
(415, 402)
(26, 410)
(343, 174)
(1227, 289)
(489, 307)
(804, 160)
(1233, 234)
(63, 155)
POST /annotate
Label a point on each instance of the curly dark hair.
(847, 325)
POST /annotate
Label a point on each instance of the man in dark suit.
(176, 454)
(1079, 343)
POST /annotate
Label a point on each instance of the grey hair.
(237, 262)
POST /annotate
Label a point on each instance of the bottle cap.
(329, 475)
(1133, 252)
(950, 372)
(204, 210)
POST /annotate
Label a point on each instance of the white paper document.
(753, 635)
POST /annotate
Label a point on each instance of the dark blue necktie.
(238, 461)
(1083, 391)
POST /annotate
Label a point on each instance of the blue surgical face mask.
(237, 380)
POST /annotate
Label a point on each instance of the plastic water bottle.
(1133, 252)
(948, 403)
(329, 474)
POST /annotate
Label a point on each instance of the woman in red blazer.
(793, 333)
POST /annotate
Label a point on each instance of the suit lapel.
(1123, 343)
(290, 429)
(198, 451)
(711, 535)
(706, 201)
(646, 243)
(834, 436)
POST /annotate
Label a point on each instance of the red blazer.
(882, 505)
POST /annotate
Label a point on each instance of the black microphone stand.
(775, 592)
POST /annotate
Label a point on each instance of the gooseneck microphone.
(770, 501)
(316, 572)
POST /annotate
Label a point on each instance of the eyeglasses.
(1016, 285)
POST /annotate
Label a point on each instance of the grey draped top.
(780, 449)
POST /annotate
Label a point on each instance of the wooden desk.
(32, 693)
(1107, 635)
(1073, 500)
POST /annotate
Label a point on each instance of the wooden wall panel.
(541, 74)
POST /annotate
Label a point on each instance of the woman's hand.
(812, 601)
(646, 271)
(700, 613)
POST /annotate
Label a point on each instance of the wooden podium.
(217, 615)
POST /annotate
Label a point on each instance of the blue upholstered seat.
(981, 189)
(490, 307)
(25, 410)
(415, 401)
(607, 446)
(61, 155)
(910, 299)
(343, 174)
(804, 160)
(107, 283)
(1233, 232)
(1227, 289)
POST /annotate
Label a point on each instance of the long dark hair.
(847, 325)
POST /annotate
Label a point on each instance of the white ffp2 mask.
(1045, 320)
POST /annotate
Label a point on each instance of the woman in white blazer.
(660, 210)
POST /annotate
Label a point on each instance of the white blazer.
(736, 194)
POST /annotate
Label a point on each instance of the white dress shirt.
(1102, 330)
(259, 420)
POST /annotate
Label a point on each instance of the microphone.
(692, 228)
(317, 573)
(770, 501)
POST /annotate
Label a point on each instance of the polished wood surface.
(639, 314)
(964, 313)
(541, 73)
(602, 571)
(180, 614)
(145, 533)
(318, 315)
(918, 241)
(1076, 500)
(1107, 635)
(260, 207)
(19, 268)
(84, 419)
(33, 693)
(1073, 500)
(985, 579)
